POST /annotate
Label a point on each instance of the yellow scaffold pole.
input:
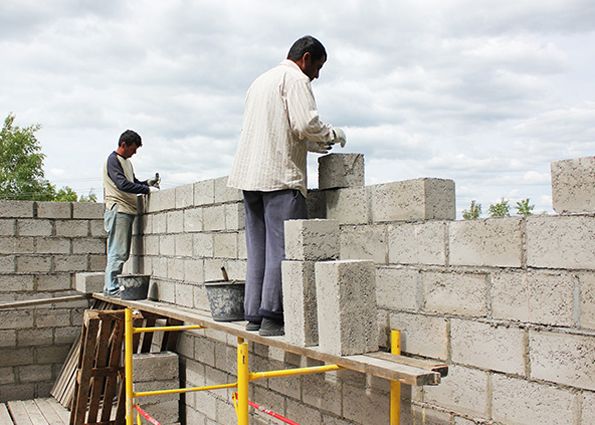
(243, 380)
(128, 331)
(395, 386)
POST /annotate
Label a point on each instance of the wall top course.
(17, 209)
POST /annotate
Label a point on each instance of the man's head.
(128, 143)
(309, 54)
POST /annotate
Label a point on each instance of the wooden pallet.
(41, 411)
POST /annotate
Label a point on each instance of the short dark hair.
(304, 45)
(130, 138)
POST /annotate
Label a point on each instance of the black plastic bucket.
(226, 299)
(134, 286)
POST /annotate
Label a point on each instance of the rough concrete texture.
(54, 209)
(491, 242)
(417, 243)
(563, 358)
(346, 298)
(573, 185)
(455, 293)
(348, 206)
(17, 208)
(561, 242)
(299, 302)
(185, 196)
(398, 289)
(89, 282)
(422, 335)
(87, 210)
(316, 203)
(410, 200)
(587, 300)
(364, 243)
(340, 170)
(149, 367)
(223, 193)
(311, 240)
(204, 192)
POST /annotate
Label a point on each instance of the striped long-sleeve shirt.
(280, 116)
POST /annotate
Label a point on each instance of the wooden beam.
(41, 301)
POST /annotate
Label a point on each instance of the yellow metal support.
(395, 387)
(167, 328)
(243, 380)
(184, 390)
(128, 331)
(291, 372)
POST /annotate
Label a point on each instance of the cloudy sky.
(486, 93)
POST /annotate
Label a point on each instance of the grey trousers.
(119, 236)
(265, 242)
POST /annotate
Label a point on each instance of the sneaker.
(252, 326)
(270, 327)
(115, 293)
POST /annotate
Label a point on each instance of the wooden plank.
(61, 411)
(441, 368)
(4, 415)
(40, 301)
(381, 368)
(148, 336)
(106, 327)
(48, 412)
(111, 382)
(34, 413)
(19, 413)
(88, 356)
(62, 389)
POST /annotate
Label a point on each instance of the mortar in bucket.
(226, 299)
(134, 286)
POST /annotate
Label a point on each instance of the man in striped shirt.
(281, 124)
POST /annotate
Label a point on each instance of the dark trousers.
(265, 242)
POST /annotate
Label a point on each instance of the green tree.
(524, 208)
(66, 194)
(21, 164)
(91, 197)
(473, 213)
(500, 209)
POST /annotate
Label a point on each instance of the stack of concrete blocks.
(306, 241)
(89, 283)
(158, 371)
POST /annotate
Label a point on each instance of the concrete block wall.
(42, 246)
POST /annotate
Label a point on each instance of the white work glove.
(319, 147)
(339, 137)
(153, 189)
(154, 182)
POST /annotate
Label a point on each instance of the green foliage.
(473, 213)
(524, 208)
(21, 164)
(91, 197)
(66, 194)
(500, 209)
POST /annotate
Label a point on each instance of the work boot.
(252, 326)
(270, 327)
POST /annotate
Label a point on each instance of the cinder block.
(562, 242)
(421, 335)
(225, 245)
(193, 270)
(35, 227)
(7, 263)
(185, 196)
(6, 377)
(89, 282)
(516, 401)
(491, 242)
(341, 170)
(409, 200)
(364, 406)
(204, 192)
(316, 203)
(242, 249)
(203, 245)
(16, 283)
(563, 358)
(299, 302)
(311, 240)
(398, 289)
(17, 209)
(183, 242)
(184, 294)
(214, 218)
(487, 346)
(160, 223)
(54, 210)
(455, 293)
(52, 318)
(52, 245)
(417, 243)
(72, 228)
(323, 392)
(573, 185)
(36, 336)
(54, 282)
(463, 391)
(175, 221)
(33, 264)
(97, 262)
(149, 367)
(89, 246)
(223, 193)
(348, 206)
(7, 227)
(167, 245)
(16, 319)
(587, 300)
(364, 242)
(87, 210)
(588, 411)
(175, 268)
(347, 311)
(70, 263)
(193, 220)
(234, 216)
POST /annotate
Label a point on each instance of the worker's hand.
(339, 137)
(153, 189)
(319, 147)
(154, 182)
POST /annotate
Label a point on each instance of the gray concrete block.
(235, 216)
(149, 367)
(464, 294)
(72, 228)
(193, 270)
(225, 245)
(348, 206)
(341, 170)
(34, 227)
(421, 335)
(204, 192)
(417, 243)
(364, 242)
(7, 227)
(316, 203)
(410, 200)
(311, 240)
(167, 245)
(54, 282)
(159, 223)
(52, 245)
(71, 263)
(184, 294)
(89, 246)
(398, 289)
(563, 358)
(175, 221)
(16, 319)
(299, 302)
(16, 245)
(175, 268)
(347, 311)
(7, 264)
(17, 209)
(491, 242)
(33, 264)
(185, 196)
(223, 193)
(214, 218)
(89, 282)
(573, 185)
(54, 209)
(87, 210)
(97, 262)
(183, 244)
(16, 283)
(36, 336)
(193, 220)
(561, 242)
(587, 300)
(203, 245)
